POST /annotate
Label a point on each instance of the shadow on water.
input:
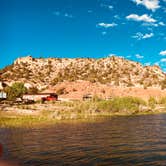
(135, 140)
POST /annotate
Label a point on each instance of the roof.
(39, 94)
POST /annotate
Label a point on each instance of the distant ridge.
(113, 71)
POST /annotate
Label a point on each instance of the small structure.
(3, 95)
(87, 97)
(41, 96)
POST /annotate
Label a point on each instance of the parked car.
(51, 97)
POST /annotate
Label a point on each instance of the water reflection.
(139, 140)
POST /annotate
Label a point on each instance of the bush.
(119, 104)
(152, 102)
(104, 105)
(126, 103)
(162, 100)
(16, 90)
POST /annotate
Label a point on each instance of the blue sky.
(134, 29)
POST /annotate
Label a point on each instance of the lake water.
(135, 141)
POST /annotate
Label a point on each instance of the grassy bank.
(80, 110)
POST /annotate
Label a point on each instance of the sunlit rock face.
(115, 71)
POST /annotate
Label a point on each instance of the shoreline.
(31, 121)
(85, 111)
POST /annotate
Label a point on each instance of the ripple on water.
(136, 140)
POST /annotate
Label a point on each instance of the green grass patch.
(76, 110)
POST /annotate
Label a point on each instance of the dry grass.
(79, 110)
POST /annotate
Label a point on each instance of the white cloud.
(149, 4)
(154, 24)
(161, 23)
(106, 25)
(68, 15)
(157, 63)
(104, 33)
(163, 60)
(163, 52)
(58, 13)
(116, 17)
(110, 55)
(128, 56)
(148, 35)
(110, 7)
(139, 56)
(144, 18)
(150, 24)
(107, 6)
(161, 63)
(140, 36)
(147, 64)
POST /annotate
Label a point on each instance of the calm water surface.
(135, 141)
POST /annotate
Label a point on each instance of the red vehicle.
(51, 97)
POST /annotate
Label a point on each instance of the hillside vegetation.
(114, 71)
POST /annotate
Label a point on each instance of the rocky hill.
(113, 71)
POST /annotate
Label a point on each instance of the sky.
(133, 29)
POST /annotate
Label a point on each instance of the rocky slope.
(113, 71)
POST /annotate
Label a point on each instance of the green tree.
(16, 90)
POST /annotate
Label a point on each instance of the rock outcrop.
(114, 71)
